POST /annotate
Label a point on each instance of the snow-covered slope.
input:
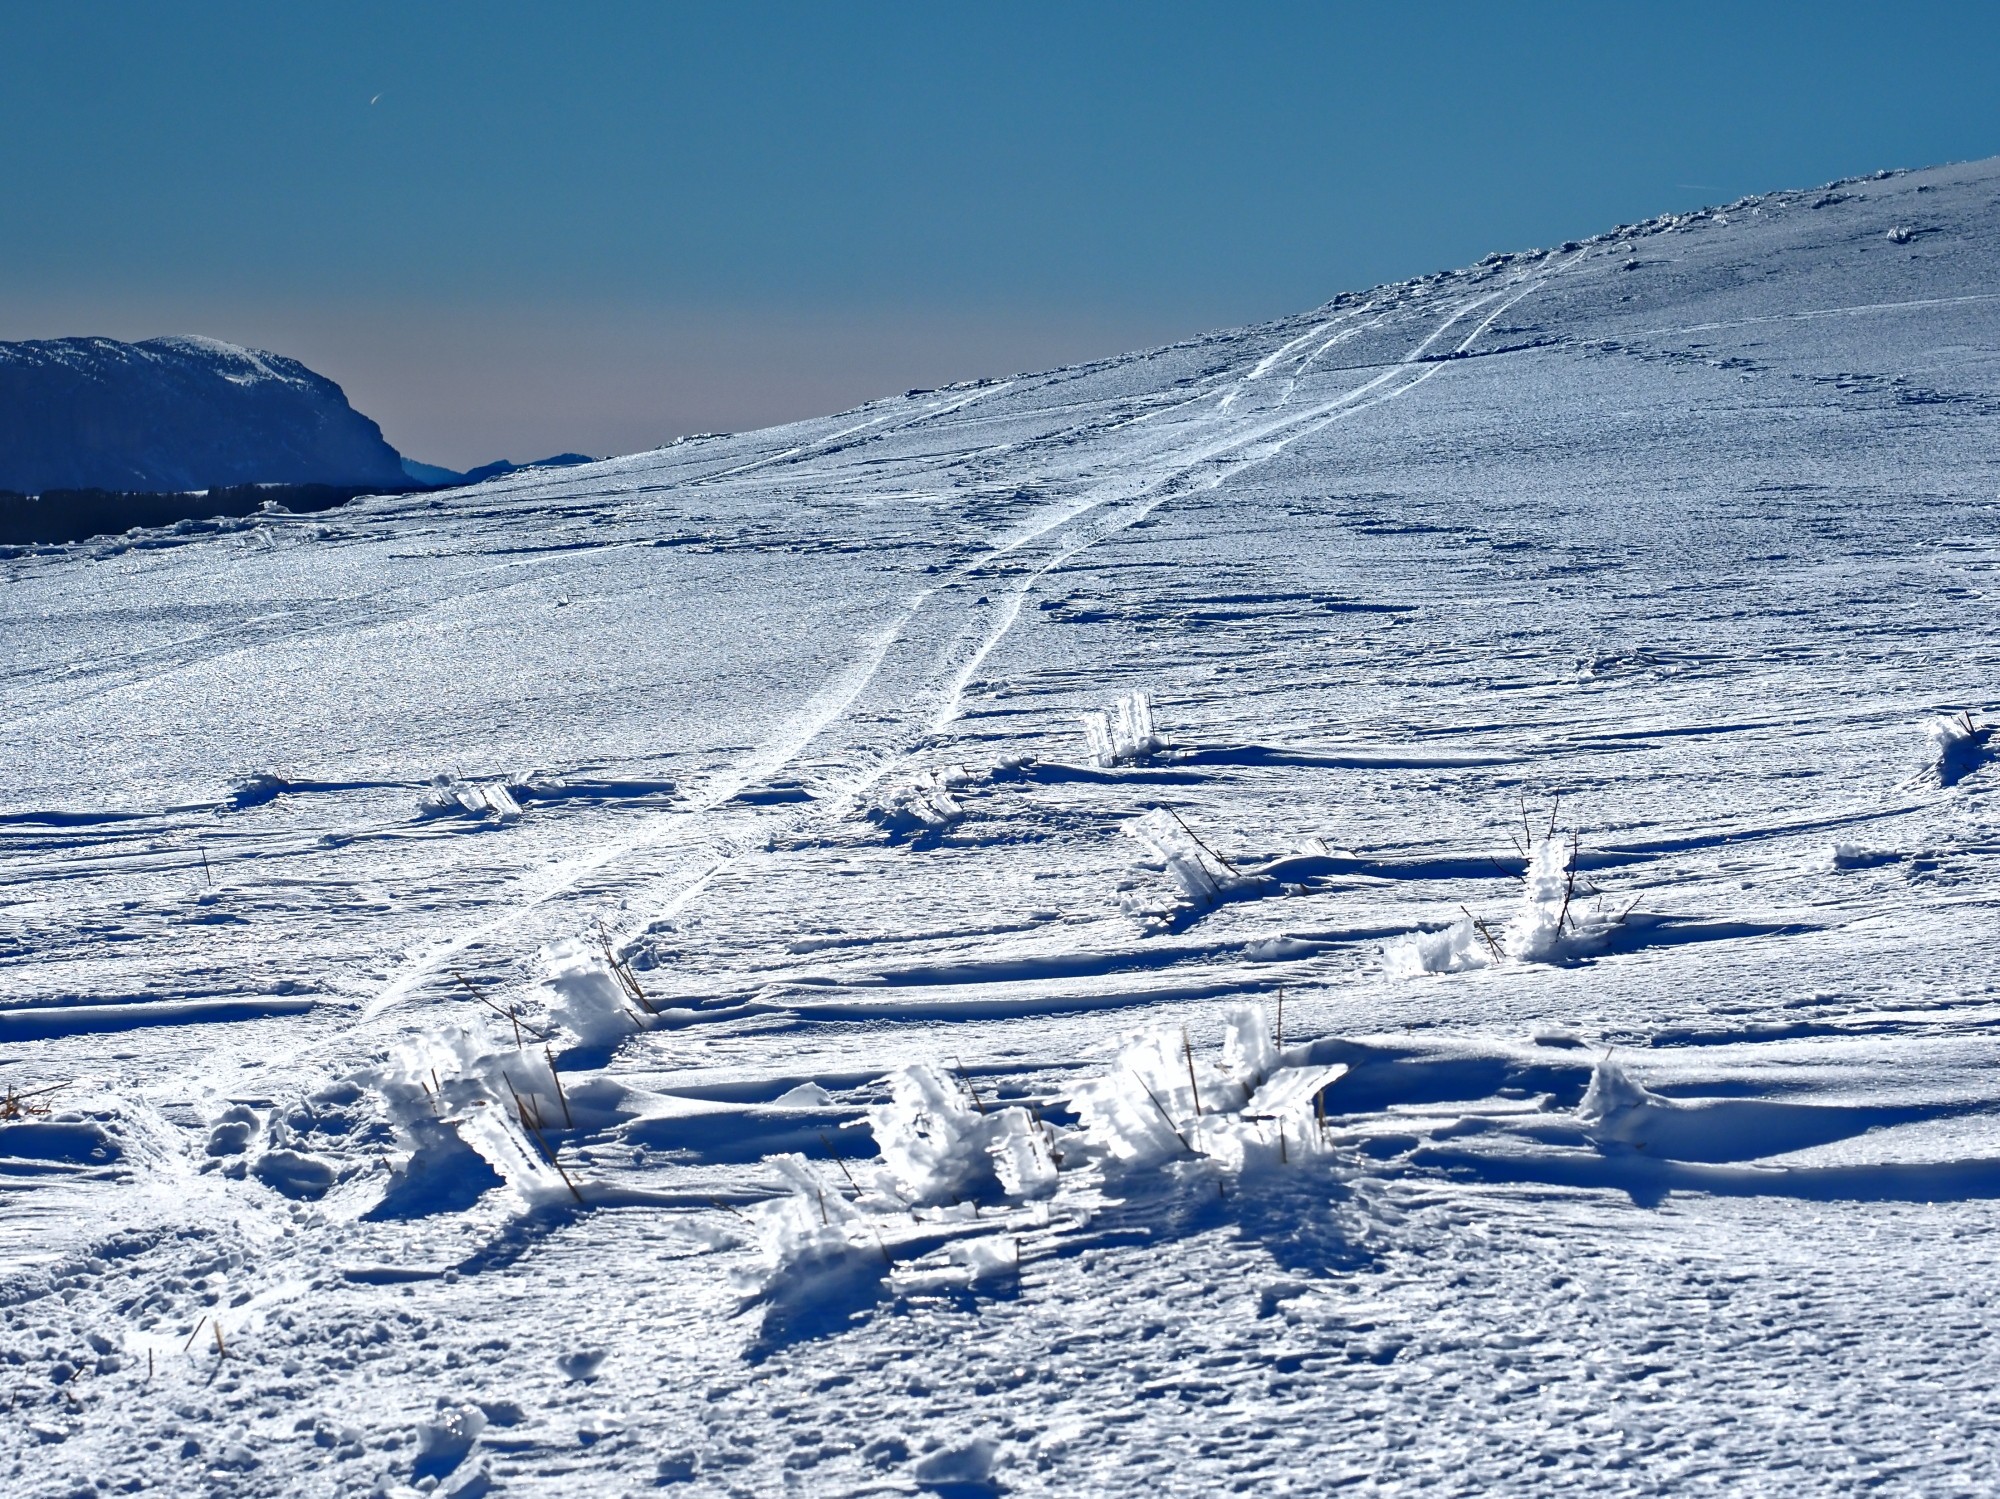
(175, 414)
(641, 974)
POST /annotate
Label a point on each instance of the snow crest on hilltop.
(177, 413)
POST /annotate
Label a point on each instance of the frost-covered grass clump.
(940, 1143)
(1958, 747)
(448, 796)
(1201, 878)
(946, 1155)
(1550, 923)
(593, 994)
(1249, 1107)
(453, 1099)
(1123, 735)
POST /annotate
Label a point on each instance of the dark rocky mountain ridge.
(177, 413)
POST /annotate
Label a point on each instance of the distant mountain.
(430, 473)
(177, 414)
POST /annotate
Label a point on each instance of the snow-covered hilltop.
(1401, 899)
(177, 414)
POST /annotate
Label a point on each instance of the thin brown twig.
(827, 1140)
(1492, 943)
(1569, 885)
(561, 1096)
(622, 971)
(1198, 843)
(534, 1127)
(1169, 1118)
(965, 1078)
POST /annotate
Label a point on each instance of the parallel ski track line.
(1126, 504)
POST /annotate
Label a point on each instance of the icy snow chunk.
(1248, 1053)
(1291, 1092)
(582, 1363)
(1278, 950)
(255, 791)
(804, 1096)
(1854, 856)
(234, 1130)
(984, 1259)
(1024, 1158)
(926, 804)
(1451, 950)
(1123, 735)
(968, 1462)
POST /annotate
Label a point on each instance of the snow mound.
(1856, 856)
(1616, 1104)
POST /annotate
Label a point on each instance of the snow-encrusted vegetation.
(1123, 734)
(1958, 747)
(1553, 921)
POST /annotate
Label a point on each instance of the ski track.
(834, 700)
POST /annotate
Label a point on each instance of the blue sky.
(509, 229)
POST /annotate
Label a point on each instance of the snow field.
(840, 1076)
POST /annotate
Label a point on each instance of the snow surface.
(635, 975)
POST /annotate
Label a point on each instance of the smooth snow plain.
(1397, 901)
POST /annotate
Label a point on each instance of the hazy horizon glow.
(460, 384)
(509, 230)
